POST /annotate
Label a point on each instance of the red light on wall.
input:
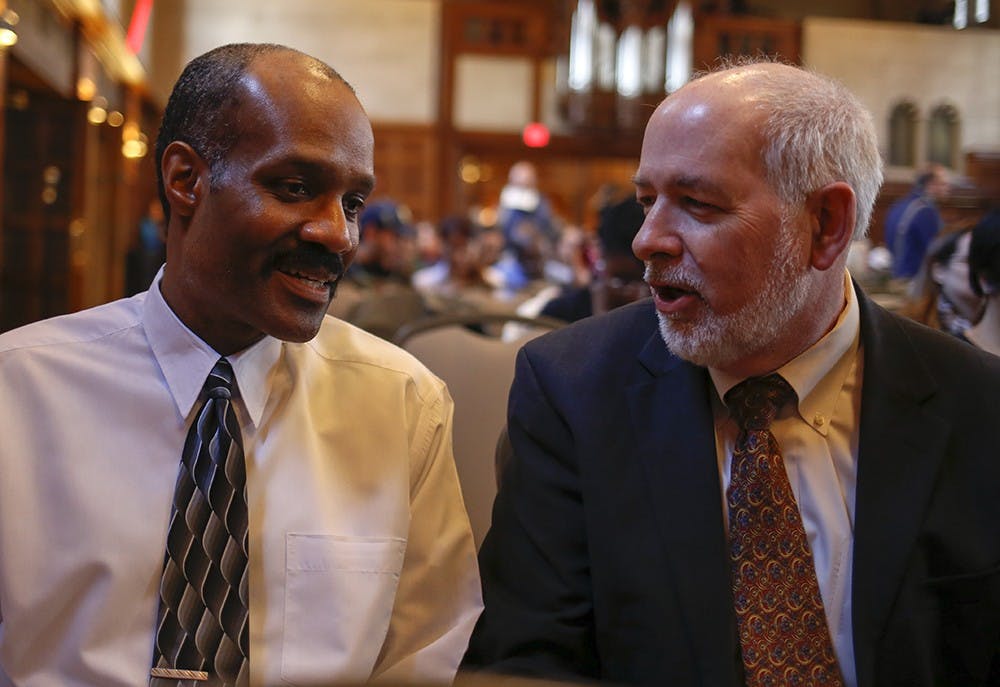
(535, 135)
(137, 27)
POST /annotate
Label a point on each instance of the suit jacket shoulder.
(598, 350)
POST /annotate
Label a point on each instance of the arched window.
(943, 135)
(903, 135)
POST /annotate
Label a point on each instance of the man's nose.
(331, 229)
(656, 236)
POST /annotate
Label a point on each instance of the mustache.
(675, 276)
(312, 258)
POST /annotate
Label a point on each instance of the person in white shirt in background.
(361, 560)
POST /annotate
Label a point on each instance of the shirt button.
(819, 420)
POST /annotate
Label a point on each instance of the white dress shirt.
(819, 445)
(362, 562)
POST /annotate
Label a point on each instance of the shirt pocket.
(339, 594)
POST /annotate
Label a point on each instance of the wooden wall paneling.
(42, 185)
(403, 156)
(983, 168)
(98, 253)
(492, 27)
(445, 195)
(499, 28)
(721, 35)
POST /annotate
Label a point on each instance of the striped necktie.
(784, 637)
(202, 627)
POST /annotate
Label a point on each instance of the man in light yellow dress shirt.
(361, 560)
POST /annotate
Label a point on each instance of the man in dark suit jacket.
(609, 556)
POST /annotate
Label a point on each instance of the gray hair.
(816, 132)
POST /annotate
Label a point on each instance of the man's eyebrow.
(697, 183)
(312, 166)
(685, 181)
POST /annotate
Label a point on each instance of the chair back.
(478, 369)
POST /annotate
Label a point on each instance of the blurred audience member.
(376, 294)
(942, 294)
(575, 256)
(490, 248)
(520, 201)
(984, 278)
(458, 282)
(148, 251)
(524, 267)
(388, 244)
(618, 276)
(460, 267)
(430, 247)
(913, 221)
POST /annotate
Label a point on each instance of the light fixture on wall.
(535, 135)
(86, 89)
(97, 113)
(134, 142)
(8, 20)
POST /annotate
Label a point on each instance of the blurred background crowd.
(530, 262)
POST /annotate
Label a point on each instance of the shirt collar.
(186, 360)
(818, 373)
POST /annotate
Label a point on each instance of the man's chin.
(300, 330)
(696, 343)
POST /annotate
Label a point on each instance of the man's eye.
(293, 188)
(696, 204)
(353, 207)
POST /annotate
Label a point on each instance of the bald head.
(524, 174)
(810, 130)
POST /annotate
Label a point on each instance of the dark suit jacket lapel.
(672, 420)
(900, 449)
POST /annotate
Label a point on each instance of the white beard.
(721, 340)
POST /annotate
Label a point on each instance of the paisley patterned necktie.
(779, 611)
(202, 629)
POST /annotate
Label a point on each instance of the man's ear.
(185, 178)
(832, 210)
